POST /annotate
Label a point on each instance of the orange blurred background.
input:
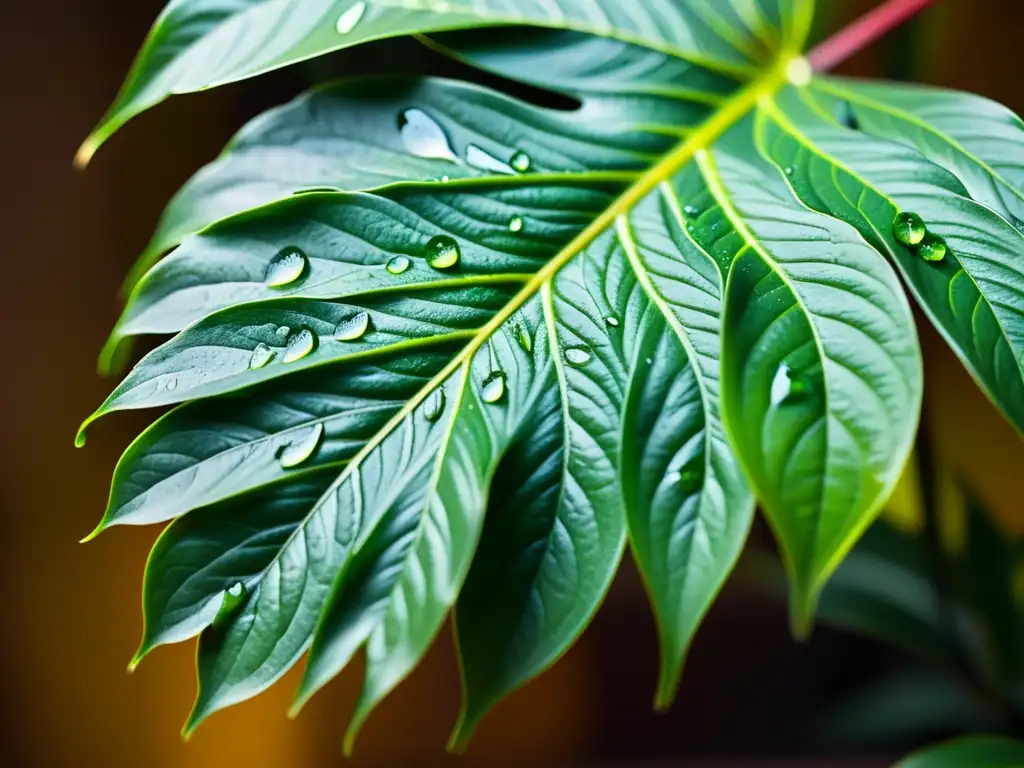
(72, 616)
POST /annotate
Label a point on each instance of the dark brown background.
(71, 615)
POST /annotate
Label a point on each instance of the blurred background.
(71, 612)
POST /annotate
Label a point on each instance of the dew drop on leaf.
(299, 345)
(524, 338)
(691, 210)
(690, 477)
(493, 390)
(515, 224)
(909, 228)
(231, 601)
(354, 328)
(443, 252)
(423, 137)
(286, 267)
(932, 248)
(578, 356)
(172, 385)
(485, 161)
(350, 17)
(398, 265)
(261, 356)
(435, 405)
(790, 170)
(612, 321)
(521, 162)
(787, 386)
(299, 450)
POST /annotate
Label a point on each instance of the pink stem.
(864, 32)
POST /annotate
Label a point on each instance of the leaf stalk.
(866, 30)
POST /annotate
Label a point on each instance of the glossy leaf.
(974, 752)
(625, 320)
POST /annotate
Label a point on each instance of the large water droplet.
(354, 328)
(299, 450)
(350, 17)
(398, 265)
(524, 338)
(286, 267)
(515, 224)
(612, 321)
(230, 602)
(493, 390)
(424, 137)
(299, 345)
(909, 228)
(520, 162)
(787, 386)
(434, 407)
(790, 170)
(932, 248)
(578, 356)
(261, 356)
(443, 252)
(485, 161)
(690, 477)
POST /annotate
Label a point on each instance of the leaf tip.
(85, 153)
(94, 533)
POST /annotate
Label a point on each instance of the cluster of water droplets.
(910, 230)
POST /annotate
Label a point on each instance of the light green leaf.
(973, 752)
(198, 44)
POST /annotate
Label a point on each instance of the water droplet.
(691, 210)
(515, 224)
(299, 345)
(261, 356)
(283, 331)
(787, 386)
(435, 405)
(398, 265)
(494, 387)
(316, 190)
(578, 356)
(230, 602)
(424, 137)
(932, 248)
(443, 252)
(286, 267)
(521, 162)
(909, 228)
(485, 161)
(171, 385)
(790, 170)
(524, 338)
(612, 321)
(354, 328)
(649, 361)
(301, 448)
(690, 477)
(350, 17)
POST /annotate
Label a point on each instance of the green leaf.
(343, 137)
(623, 321)
(197, 44)
(973, 752)
(202, 556)
(974, 295)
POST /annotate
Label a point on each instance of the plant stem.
(863, 32)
